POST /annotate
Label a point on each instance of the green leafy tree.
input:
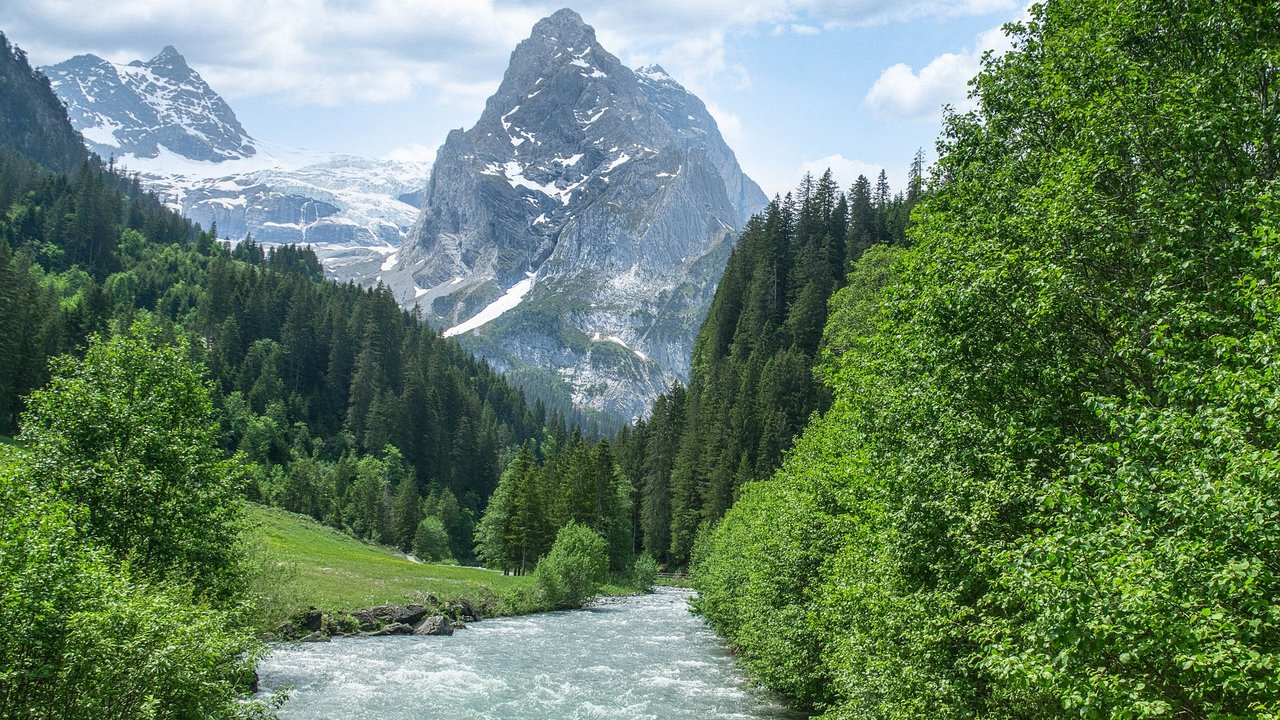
(430, 541)
(82, 640)
(129, 436)
(1045, 487)
(572, 572)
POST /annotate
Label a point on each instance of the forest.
(1046, 484)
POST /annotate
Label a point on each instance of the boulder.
(411, 614)
(312, 619)
(376, 617)
(434, 625)
(469, 612)
(393, 629)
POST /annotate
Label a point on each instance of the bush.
(80, 639)
(431, 541)
(129, 436)
(644, 571)
(572, 572)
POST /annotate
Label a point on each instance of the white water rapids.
(636, 658)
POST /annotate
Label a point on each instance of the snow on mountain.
(161, 120)
(610, 192)
(142, 108)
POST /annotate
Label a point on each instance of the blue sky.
(795, 85)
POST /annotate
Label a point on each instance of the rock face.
(144, 107)
(160, 119)
(574, 235)
(434, 625)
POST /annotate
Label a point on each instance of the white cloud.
(846, 170)
(906, 94)
(326, 52)
(309, 51)
(412, 153)
(902, 93)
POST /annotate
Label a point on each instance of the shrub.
(644, 571)
(572, 572)
(431, 541)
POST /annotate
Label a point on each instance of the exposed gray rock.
(316, 636)
(434, 625)
(395, 628)
(145, 107)
(606, 196)
(411, 614)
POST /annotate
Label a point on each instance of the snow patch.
(616, 162)
(601, 337)
(390, 262)
(104, 133)
(495, 309)
(506, 125)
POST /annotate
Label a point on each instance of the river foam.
(643, 658)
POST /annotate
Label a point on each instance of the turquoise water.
(634, 658)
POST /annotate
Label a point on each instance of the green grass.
(674, 582)
(335, 572)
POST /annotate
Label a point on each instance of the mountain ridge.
(605, 199)
(143, 107)
(159, 118)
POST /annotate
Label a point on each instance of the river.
(643, 657)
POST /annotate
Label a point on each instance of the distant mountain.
(160, 119)
(145, 108)
(32, 119)
(575, 234)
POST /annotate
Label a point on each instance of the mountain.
(146, 108)
(573, 236)
(161, 120)
(33, 121)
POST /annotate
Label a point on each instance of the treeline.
(752, 386)
(316, 375)
(306, 369)
(1046, 486)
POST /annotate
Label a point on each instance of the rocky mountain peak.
(168, 59)
(599, 201)
(565, 28)
(146, 107)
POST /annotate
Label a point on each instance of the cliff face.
(575, 234)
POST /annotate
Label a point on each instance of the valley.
(996, 440)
